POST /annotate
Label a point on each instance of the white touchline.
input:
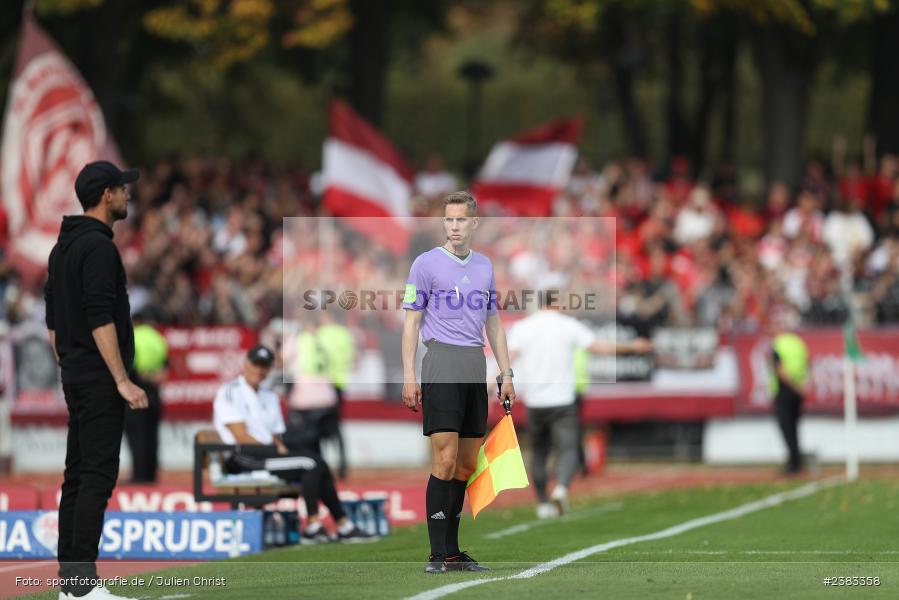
(727, 515)
(567, 518)
(754, 552)
(819, 552)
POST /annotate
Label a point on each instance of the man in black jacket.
(89, 321)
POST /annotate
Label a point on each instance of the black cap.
(97, 176)
(261, 355)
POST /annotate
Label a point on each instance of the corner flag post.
(851, 355)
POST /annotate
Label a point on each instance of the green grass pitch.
(783, 551)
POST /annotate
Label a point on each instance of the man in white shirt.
(696, 220)
(805, 215)
(542, 348)
(847, 233)
(248, 415)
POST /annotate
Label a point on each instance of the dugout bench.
(207, 443)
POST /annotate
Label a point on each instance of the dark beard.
(118, 215)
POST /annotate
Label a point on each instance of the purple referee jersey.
(455, 294)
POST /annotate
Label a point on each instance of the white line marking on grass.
(727, 515)
(819, 552)
(512, 530)
(561, 520)
(754, 552)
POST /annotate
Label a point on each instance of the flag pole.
(850, 417)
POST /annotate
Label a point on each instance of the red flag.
(365, 177)
(526, 173)
(53, 126)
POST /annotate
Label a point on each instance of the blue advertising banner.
(157, 535)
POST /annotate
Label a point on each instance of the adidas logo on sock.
(438, 515)
(459, 516)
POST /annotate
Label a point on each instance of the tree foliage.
(650, 71)
(64, 7)
(226, 32)
(802, 15)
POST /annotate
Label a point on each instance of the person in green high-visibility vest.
(338, 345)
(581, 382)
(326, 350)
(151, 354)
(789, 355)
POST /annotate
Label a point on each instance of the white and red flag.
(53, 126)
(526, 173)
(366, 180)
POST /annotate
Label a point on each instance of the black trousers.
(788, 408)
(305, 467)
(142, 433)
(312, 426)
(560, 427)
(96, 422)
(581, 451)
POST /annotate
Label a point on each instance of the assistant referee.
(450, 299)
(89, 321)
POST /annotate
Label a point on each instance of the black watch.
(510, 373)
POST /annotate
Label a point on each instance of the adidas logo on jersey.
(438, 515)
(465, 279)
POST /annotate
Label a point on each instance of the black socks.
(444, 501)
(439, 508)
(457, 500)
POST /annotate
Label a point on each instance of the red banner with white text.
(876, 377)
(201, 359)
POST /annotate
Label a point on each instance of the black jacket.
(86, 289)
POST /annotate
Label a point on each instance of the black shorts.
(454, 390)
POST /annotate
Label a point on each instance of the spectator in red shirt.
(881, 186)
(679, 183)
(853, 184)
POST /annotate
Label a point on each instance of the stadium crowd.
(203, 244)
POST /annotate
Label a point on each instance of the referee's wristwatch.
(509, 373)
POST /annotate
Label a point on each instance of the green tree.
(634, 39)
(360, 33)
(380, 29)
(789, 39)
(224, 33)
(593, 35)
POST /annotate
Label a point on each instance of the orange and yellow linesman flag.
(500, 466)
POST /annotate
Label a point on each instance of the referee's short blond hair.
(462, 197)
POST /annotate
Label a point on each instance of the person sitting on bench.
(249, 415)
